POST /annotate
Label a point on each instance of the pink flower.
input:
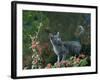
(82, 55)
(49, 65)
(77, 60)
(33, 44)
(35, 61)
(39, 48)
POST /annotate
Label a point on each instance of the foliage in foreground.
(80, 61)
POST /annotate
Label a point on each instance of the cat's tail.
(79, 33)
(82, 30)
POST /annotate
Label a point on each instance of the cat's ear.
(50, 35)
(57, 33)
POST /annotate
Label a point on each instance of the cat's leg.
(58, 58)
(77, 52)
(63, 57)
(57, 64)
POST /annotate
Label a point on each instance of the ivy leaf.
(83, 62)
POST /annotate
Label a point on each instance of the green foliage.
(31, 24)
(83, 62)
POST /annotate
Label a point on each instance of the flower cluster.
(73, 61)
(38, 60)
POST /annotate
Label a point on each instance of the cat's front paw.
(57, 64)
